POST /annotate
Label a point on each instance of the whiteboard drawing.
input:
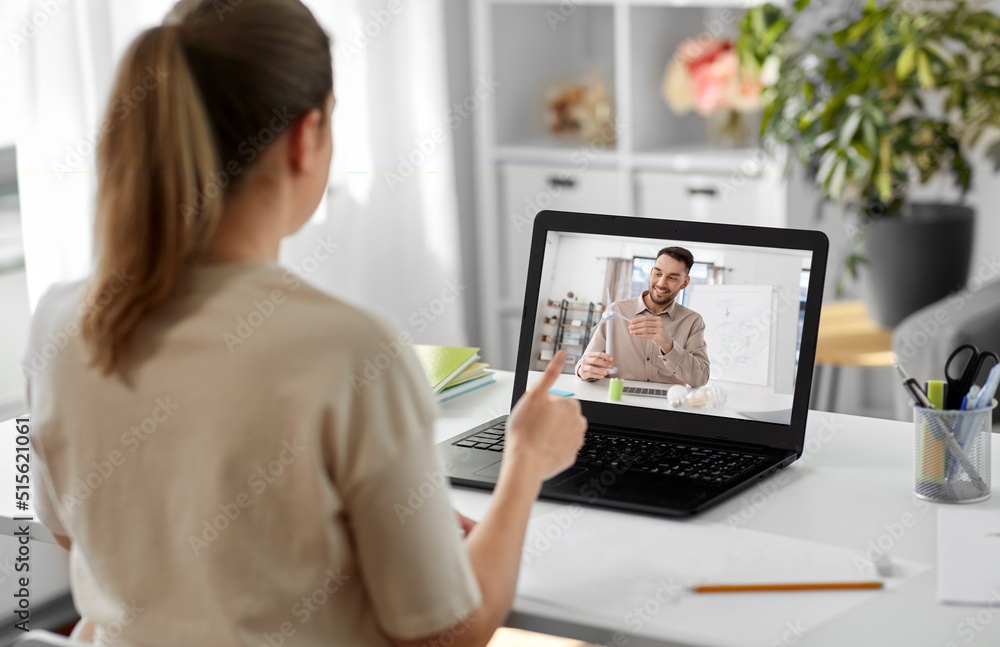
(737, 330)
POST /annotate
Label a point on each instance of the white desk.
(852, 486)
(740, 402)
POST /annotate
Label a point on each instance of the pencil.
(828, 586)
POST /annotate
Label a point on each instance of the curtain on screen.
(618, 279)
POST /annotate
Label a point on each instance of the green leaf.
(883, 184)
(858, 30)
(801, 4)
(826, 163)
(963, 174)
(757, 23)
(772, 34)
(849, 128)
(870, 136)
(883, 178)
(837, 179)
(940, 53)
(906, 62)
(924, 70)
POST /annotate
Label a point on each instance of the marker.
(985, 396)
(969, 401)
(932, 453)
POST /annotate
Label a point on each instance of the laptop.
(671, 444)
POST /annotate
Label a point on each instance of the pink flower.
(705, 74)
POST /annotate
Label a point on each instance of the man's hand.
(648, 327)
(596, 365)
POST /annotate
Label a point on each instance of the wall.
(460, 86)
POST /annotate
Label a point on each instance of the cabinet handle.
(709, 191)
(565, 182)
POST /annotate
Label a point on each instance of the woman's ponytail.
(185, 99)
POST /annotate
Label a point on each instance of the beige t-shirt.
(269, 476)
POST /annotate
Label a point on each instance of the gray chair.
(41, 638)
(924, 340)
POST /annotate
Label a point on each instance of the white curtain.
(391, 213)
(618, 279)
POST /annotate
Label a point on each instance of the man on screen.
(664, 342)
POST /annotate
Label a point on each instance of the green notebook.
(442, 364)
(475, 370)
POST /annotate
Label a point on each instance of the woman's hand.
(544, 431)
(466, 524)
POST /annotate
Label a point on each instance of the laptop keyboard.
(702, 464)
(644, 390)
(490, 439)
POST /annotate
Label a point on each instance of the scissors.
(959, 385)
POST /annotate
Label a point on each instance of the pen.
(913, 387)
(827, 586)
(985, 396)
(931, 455)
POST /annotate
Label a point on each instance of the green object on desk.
(615, 389)
(932, 452)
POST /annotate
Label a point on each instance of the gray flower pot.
(915, 259)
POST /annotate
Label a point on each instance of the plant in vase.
(705, 75)
(874, 101)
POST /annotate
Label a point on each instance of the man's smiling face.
(667, 278)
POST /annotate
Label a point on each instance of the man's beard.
(667, 300)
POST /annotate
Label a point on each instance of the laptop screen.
(694, 327)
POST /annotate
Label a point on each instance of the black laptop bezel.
(789, 437)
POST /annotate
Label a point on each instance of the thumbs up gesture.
(544, 431)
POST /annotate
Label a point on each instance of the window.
(15, 319)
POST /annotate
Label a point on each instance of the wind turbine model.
(606, 317)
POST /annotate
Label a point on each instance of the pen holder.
(953, 454)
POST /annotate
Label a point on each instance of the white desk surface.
(738, 399)
(853, 485)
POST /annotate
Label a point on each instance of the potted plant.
(874, 100)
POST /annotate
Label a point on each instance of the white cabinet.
(528, 189)
(737, 198)
(658, 164)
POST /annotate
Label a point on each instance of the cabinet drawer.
(526, 189)
(710, 197)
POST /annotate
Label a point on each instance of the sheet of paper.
(968, 556)
(632, 573)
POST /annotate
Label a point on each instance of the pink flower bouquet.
(705, 75)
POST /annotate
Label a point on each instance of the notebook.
(968, 556)
(442, 364)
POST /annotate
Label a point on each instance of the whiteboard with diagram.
(738, 328)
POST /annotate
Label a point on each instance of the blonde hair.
(188, 98)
